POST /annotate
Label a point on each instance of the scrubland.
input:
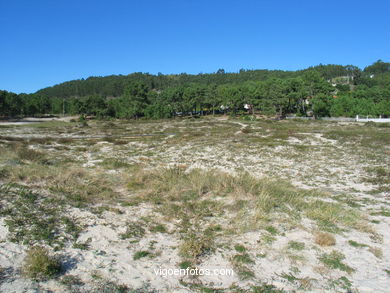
(286, 205)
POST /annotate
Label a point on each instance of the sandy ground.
(330, 165)
(29, 120)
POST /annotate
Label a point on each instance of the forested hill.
(324, 90)
(114, 85)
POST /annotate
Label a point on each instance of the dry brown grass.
(81, 186)
(251, 201)
(376, 251)
(324, 239)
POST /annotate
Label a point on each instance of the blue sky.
(45, 42)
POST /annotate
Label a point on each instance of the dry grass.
(376, 251)
(258, 199)
(324, 239)
(30, 155)
(81, 187)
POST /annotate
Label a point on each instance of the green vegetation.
(334, 261)
(239, 248)
(185, 264)
(295, 245)
(134, 230)
(379, 176)
(356, 244)
(159, 228)
(262, 288)
(343, 283)
(195, 246)
(185, 196)
(242, 258)
(26, 154)
(161, 96)
(385, 212)
(141, 254)
(39, 265)
(32, 218)
(272, 230)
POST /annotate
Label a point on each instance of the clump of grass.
(376, 251)
(343, 283)
(268, 239)
(195, 245)
(83, 121)
(246, 130)
(382, 212)
(240, 263)
(245, 273)
(72, 283)
(11, 138)
(289, 277)
(2, 273)
(261, 255)
(105, 286)
(140, 254)
(356, 244)
(65, 140)
(380, 175)
(40, 140)
(295, 245)
(239, 248)
(133, 230)
(242, 258)
(272, 230)
(4, 173)
(324, 239)
(114, 163)
(26, 154)
(185, 264)
(39, 265)
(329, 216)
(334, 260)
(159, 228)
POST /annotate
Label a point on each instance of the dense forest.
(323, 90)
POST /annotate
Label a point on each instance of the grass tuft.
(334, 260)
(356, 244)
(141, 254)
(324, 239)
(39, 265)
(295, 245)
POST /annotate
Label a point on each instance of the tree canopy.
(325, 90)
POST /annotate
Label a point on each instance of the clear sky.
(45, 42)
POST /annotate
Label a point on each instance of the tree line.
(323, 90)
